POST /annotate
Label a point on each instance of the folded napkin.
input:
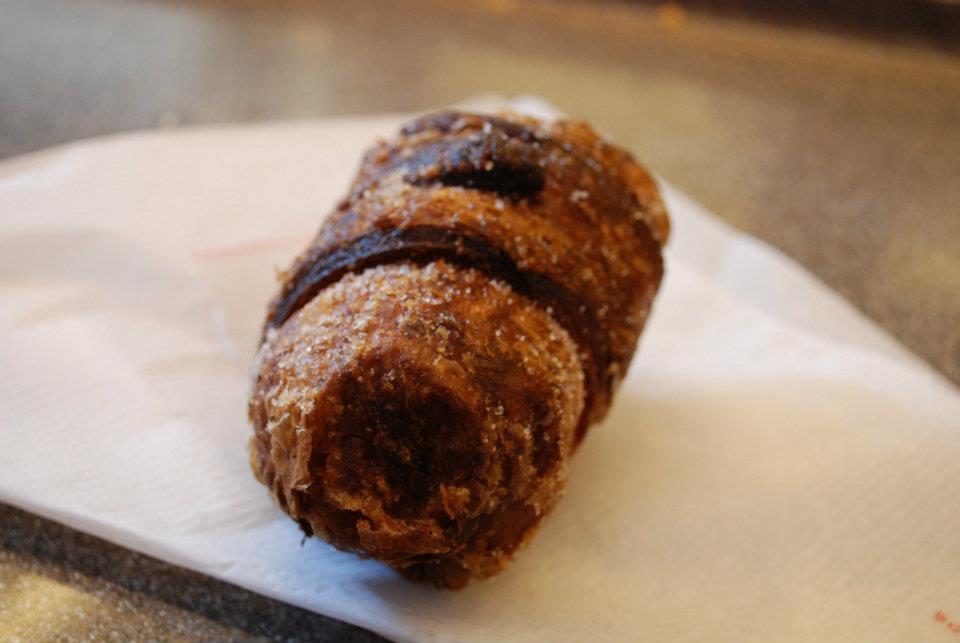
(774, 468)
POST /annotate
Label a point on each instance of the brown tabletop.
(842, 150)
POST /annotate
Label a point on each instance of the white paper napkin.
(774, 468)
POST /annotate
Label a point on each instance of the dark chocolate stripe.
(492, 163)
(423, 244)
(484, 153)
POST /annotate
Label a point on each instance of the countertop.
(842, 151)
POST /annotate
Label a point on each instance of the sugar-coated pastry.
(460, 320)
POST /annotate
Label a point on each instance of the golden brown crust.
(442, 346)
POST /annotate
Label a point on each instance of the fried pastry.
(458, 323)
